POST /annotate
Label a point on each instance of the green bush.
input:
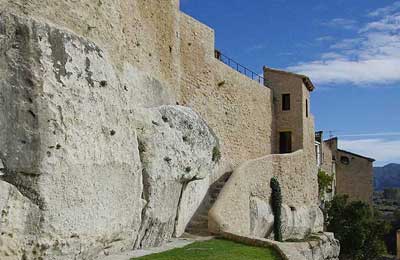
(390, 238)
(276, 204)
(324, 182)
(358, 228)
(216, 154)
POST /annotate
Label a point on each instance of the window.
(306, 107)
(285, 102)
(285, 142)
(345, 160)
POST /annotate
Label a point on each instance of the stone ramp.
(198, 225)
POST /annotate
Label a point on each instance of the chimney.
(398, 244)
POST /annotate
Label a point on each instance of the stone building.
(326, 161)
(355, 176)
(116, 120)
(353, 173)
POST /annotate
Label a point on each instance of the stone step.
(202, 232)
(193, 229)
(201, 218)
(214, 195)
(216, 192)
(199, 224)
(198, 229)
(219, 186)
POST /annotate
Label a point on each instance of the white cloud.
(332, 55)
(383, 150)
(386, 10)
(372, 134)
(325, 38)
(348, 24)
(346, 44)
(372, 56)
(387, 23)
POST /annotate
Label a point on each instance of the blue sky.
(350, 50)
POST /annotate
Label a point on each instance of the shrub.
(276, 204)
(391, 237)
(324, 182)
(358, 228)
(216, 154)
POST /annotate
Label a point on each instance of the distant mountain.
(387, 176)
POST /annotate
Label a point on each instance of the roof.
(331, 139)
(357, 155)
(306, 80)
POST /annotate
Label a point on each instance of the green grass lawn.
(216, 250)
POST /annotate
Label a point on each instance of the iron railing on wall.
(240, 68)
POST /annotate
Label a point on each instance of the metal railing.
(240, 68)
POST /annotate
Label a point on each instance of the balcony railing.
(240, 68)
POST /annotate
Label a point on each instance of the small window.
(306, 107)
(345, 160)
(285, 102)
(285, 142)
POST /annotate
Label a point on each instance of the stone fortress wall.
(237, 108)
(98, 155)
(243, 207)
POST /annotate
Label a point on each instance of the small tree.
(276, 203)
(390, 238)
(358, 229)
(324, 182)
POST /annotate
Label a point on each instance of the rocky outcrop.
(261, 218)
(297, 223)
(322, 246)
(66, 141)
(300, 222)
(84, 171)
(176, 149)
(19, 223)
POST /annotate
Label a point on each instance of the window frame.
(286, 102)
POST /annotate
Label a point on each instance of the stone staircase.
(198, 225)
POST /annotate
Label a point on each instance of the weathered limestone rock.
(323, 246)
(297, 223)
(261, 218)
(65, 139)
(19, 222)
(71, 160)
(192, 197)
(320, 246)
(176, 147)
(1, 168)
